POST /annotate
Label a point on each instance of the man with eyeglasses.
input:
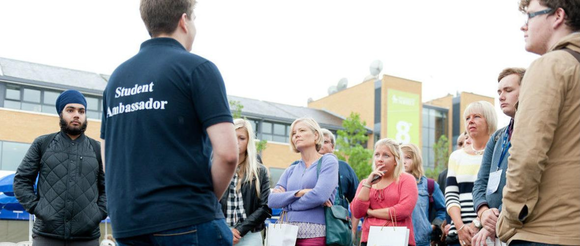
(541, 198)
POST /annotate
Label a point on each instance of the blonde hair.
(486, 110)
(415, 153)
(314, 127)
(395, 149)
(248, 170)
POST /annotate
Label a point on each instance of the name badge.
(493, 182)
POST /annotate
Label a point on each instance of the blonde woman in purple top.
(303, 192)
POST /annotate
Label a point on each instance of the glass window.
(31, 95)
(93, 115)
(275, 174)
(255, 127)
(431, 162)
(13, 93)
(425, 154)
(425, 117)
(280, 139)
(426, 136)
(92, 103)
(50, 97)
(267, 137)
(48, 109)
(12, 155)
(279, 129)
(11, 104)
(31, 107)
(266, 127)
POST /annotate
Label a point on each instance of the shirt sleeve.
(324, 188)
(480, 184)
(536, 122)
(408, 198)
(452, 188)
(352, 185)
(439, 204)
(358, 207)
(208, 89)
(26, 174)
(281, 200)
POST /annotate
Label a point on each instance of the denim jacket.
(489, 163)
(421, 224)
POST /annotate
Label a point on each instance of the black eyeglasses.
(541, 12)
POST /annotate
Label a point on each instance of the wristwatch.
(477, 224)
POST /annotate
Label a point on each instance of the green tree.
(441, 150)
(349, 144)
(236, 108)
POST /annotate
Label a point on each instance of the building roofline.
(48, 85)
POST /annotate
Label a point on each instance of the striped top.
(461, 175)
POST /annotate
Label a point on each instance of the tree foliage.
(441, 150)
(236, 108)
(349, 145)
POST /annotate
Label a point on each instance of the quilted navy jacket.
(71, 200)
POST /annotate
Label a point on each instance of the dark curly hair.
(571, 7)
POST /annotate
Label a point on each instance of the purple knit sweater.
(307, 208)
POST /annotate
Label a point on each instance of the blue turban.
(69, 96)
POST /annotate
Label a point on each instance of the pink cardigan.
(400, 196)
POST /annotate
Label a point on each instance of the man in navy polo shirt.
(171, 148)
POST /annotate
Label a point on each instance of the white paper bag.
(388, 236)
(281, 235)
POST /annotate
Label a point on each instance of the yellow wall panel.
(359, 98)
(24, 127)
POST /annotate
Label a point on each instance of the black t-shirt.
(156, 109)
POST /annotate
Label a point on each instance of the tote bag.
(338, 227)
(389, 235)
(281, 233)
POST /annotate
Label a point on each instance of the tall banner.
(403, 114)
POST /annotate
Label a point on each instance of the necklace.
(477, 152)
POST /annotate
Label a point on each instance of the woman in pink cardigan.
(393, 194)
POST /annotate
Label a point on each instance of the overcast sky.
(288, 51)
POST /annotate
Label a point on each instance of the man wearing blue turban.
(71, 201)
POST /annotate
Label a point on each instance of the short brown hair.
(571, 7)
(162, 16)
(512, 70)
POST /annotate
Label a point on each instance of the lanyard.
(505, 146)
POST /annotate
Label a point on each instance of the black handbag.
(338, 226)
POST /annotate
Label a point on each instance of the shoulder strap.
(498, 134)
(430, 188)
(318, 166)
(573, 53)
(97, 149)
(46, 142)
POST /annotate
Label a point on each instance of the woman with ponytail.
(245, 203)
